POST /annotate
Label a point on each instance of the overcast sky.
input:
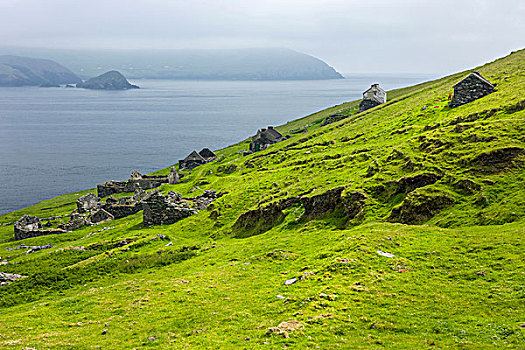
(368, 36)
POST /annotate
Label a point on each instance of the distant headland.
(225, 64)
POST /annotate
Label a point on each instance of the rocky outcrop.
(111, 80)
(420, 206)
(7, 278)
(260, 220)
(318, 205)
(497, 160)
(406, 184)
(165, 210)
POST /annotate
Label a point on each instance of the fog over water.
(58, 140)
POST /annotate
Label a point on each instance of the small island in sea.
(111, 80)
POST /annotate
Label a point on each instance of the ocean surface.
(61, 140)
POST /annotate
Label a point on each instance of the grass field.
(442, 193)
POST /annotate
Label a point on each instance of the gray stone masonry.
(87, 202)
(471, 88)
(160, 210)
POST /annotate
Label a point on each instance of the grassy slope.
(456, 281)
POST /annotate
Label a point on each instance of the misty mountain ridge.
(25, 71)
(223, 64)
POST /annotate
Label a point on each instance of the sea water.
(60, 140)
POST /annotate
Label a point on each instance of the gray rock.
(290, 281)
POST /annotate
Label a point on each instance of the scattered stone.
(387, 255)
(284, 328)
(36, 248)
(169, 244)
(7, 278)
(280, 296)
(290, 281)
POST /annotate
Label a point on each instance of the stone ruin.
(31, 226)
(90, 211)
(265, 137)
(471, 88)
(137, 181)
(166, 210)
(194, 159)
(372, 97)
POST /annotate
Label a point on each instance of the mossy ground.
(458, 280)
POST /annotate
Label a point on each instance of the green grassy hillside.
(439, 190)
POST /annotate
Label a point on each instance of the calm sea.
(59, 140)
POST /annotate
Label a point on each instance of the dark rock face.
(161, 210)
(419, 207)
(317, 206)
(87, 202)
(111, 80)
(406, 184)
(500, 159)
(471, 88)
(257, 221)
(25, 71)
(354, 204)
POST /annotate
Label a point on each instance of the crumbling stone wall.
(87, 203)
(163, 210)
(367, 104)
(30, 226)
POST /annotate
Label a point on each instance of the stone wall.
(31, 226)
(367, 104)
(162, 210)
(469, 89)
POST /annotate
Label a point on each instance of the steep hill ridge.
(24, 71)
(400, 226)
(225, 64)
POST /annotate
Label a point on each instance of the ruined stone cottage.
(372, 97)
(194, 159)
(471, 88)
(265, 137)
(135, 182)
